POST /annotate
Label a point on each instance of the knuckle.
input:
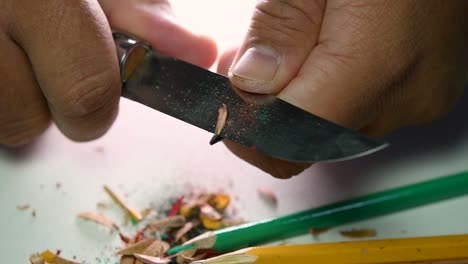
(90, 93)
(286, 22)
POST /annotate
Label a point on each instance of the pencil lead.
(215, 139)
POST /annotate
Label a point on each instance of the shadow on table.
(424, 140)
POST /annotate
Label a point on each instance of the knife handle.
(130, 52)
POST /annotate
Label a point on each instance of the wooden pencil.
(373, 205)
(449, 249)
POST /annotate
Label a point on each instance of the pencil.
(373, 205)
(439, 249)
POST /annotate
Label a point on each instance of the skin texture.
(58, 62)
(370, 65)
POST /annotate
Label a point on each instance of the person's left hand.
(153, 21)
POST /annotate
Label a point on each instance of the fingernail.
(259, 63)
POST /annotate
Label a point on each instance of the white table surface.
(150, 156)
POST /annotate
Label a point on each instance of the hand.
(58, 61)
(371, 65)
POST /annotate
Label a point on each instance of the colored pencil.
(365, 207)
(439, 249)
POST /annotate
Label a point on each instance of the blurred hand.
(58, 61)
(370, 65)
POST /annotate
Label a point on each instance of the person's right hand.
(58, 61)
(371, 65)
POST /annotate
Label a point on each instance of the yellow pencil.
(448, 249)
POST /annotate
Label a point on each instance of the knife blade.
(262, 122)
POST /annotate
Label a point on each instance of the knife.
(261, 122)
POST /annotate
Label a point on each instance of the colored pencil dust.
(222, 117)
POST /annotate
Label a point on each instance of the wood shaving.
(151, 260)
(359, 233)
(127, 260)
(220, 124)
(220, 201)
(193, 205)
(184, 230)
(23, 207)
(52, 258)
(268, 195)
(209, 223)
(36, 259)
(316, 232)
(99, 219)
(189, 256)
(134, 214)
(232, 222)
(136, 248)
(101, 205)
(210, 212)
(147, 212)
(152, 240)
(171, 222)
(157, 249)
(126, 239)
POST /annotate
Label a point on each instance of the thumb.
(280, 37)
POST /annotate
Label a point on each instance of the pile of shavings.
(188, 217)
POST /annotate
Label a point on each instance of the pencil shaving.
(172, 221)
(127, 260)
(268, 195)
(133, 213)
(101, 205)
(209, 223)
(53, 258)
(151, 260)
(23, 207)
(147, 212)
(99, 219)
(136, 248)
(359, 233)
(316, 232)
(220, 124)
(36, 259)
(157, 249)
(219, 201)
(189, 256)
(184, 230)
(210, 212)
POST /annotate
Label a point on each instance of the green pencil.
(357, 209)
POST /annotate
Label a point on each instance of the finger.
(226, 59)
(275, 167)
(358, 71)
(73, 56)
(23, 110)
(280, 38)
(153, 22)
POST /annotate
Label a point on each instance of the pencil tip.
(215, 139)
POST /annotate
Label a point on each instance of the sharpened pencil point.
(215, 139)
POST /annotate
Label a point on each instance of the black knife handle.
(130, 52)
